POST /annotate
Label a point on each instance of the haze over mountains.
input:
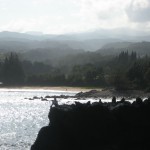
(88, 41)
(37, 46)
(25, 41)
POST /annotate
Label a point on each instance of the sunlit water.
(21, 118)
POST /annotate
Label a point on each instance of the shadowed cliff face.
(97, 126)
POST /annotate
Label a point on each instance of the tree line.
(125, 71)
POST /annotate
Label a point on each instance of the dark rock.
(35, 97)
(47, 96)
(122, 100)
(79, 94)
(44, 99)
(114, 100)
(97, 127)
(139, 100)
(87, 94)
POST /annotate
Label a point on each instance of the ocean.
(21, 116)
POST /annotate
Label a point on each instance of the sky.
(69, 16)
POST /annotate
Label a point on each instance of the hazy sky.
(63, 16)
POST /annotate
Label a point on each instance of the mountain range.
(36, 46)
(87, 41)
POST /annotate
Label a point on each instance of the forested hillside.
(124, 71)
(40, 60)
(141, 48)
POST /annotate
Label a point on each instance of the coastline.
(84, 92)
(55, 88)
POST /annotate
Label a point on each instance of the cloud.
(104, 9)
(40, 2)
(139, 11)
(104, 13)
(57, 16)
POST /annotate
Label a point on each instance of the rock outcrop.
(98, 126)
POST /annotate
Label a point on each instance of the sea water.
(21, 118)
(23, 114)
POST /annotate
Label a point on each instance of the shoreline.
(109, 93)
(84, 92)
(55, 88)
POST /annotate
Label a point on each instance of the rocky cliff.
(98, 126)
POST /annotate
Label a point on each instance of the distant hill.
(6, 35)
(10, 41)
(88, 41)
(36, 46)
(49, 56)
(141, 48)
(117, 45)
(19, 46)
